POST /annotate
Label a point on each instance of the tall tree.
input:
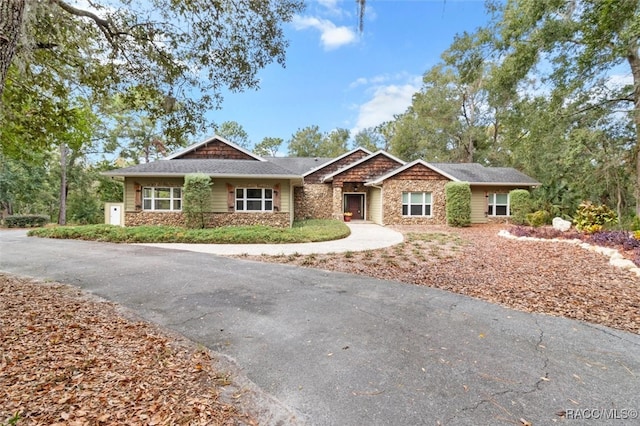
(369, 139)
(11, 17)
(233, 132)
(268, 147)
(334, 143)
(305, 142)
(310, 142)
(580, 43)
(448, 120)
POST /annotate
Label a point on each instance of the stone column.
(337, 202)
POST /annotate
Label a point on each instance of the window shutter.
(276, 197)
(138, 196)
(231, 198)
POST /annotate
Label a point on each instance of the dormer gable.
(378, 163)
(217, 148)
(316, 174)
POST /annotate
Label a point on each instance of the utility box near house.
(114, 214)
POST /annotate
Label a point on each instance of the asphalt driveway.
(339, 349)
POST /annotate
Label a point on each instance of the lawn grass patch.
(301, 232)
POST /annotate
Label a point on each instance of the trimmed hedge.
(539, 218)
(458, 203)
(26, 221)
(302, 232)
(520, 205)
(196, 200)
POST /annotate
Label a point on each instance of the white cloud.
(616, 81)
(331, 6)
(331, 36)
(385, 102)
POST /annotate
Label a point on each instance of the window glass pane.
(416, 210)
(254, 205)
(501, 210)
(268, 193)
(162, 193)
(405, 209)
(146, 192)
(405, 197)
(268, 205)
(239, 205)
(427, 198)
(239, 193)
(427, 210)
(177, 205)
(162, 205)
(490, 210)
(416, 198)
(146, 204)
(501, 198)
(177, 192)
(254, 193)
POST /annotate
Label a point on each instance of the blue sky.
(338, 78)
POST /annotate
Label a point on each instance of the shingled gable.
(369, 158)
(216, 157)
(215, 147)
(337, 160)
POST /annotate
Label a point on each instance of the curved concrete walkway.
(364, 236)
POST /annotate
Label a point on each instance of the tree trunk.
(634, 62)
(62, 215)
(11, 16)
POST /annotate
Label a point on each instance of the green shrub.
(520, 205)
(196, 200)
(25, 221)
(591, 218)
(84, 209)
(539, 218)
(458, 196)
(634, 223)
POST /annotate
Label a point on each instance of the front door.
(355, 204)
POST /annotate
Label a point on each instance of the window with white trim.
(416, 204)
(498, 205)
(162, 199)
(254, 199)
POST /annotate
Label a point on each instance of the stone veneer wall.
(280, 220)
(338, 203)
(137, 218)
(392, 201)
(312, 201)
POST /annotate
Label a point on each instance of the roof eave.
(214, 175)
(505, 183)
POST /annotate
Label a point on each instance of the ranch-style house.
(248, 189)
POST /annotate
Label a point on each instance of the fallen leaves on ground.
(66, 359)
(545, 277)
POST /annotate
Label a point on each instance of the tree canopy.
(168, 54)
(310, 142)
